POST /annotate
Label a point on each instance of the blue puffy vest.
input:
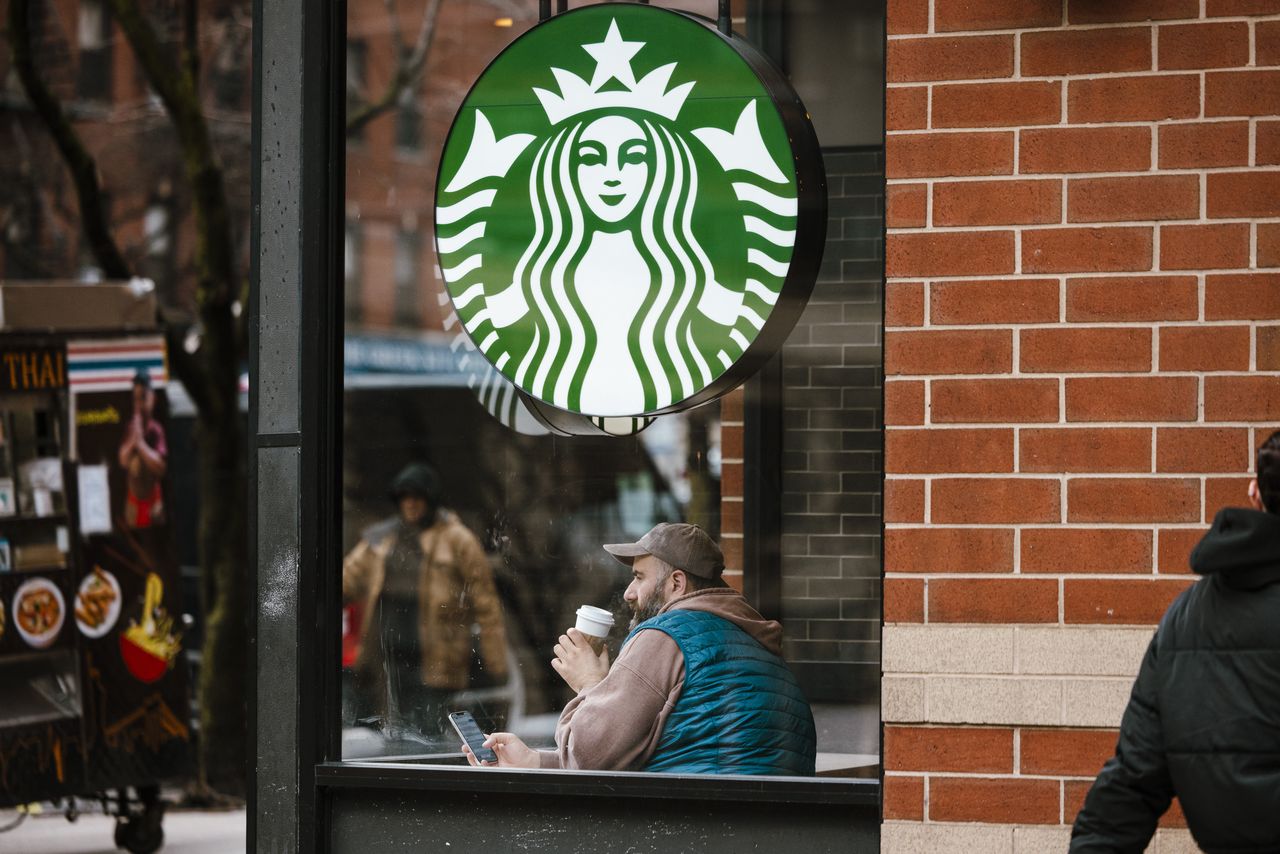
(740, 711)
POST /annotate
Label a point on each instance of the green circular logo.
(617, 213)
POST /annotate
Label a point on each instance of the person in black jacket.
(1203, 721)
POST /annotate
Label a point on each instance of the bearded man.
(699, 686)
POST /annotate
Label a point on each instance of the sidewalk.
(185, 833)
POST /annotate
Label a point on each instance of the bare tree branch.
(84, 171)
(215, 264)
(410, 64)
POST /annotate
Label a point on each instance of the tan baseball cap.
(686, 547)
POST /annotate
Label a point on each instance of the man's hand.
(577, 663)
(512, 752)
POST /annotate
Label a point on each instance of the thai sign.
(630, 212)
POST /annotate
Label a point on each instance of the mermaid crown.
(613, 62)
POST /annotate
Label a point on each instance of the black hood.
(1243, 547)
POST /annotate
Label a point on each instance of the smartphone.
(469, 731)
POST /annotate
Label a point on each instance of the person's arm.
(126, 446)
(615, 725)
(153, 450)
(357, 567)
(1134, 788)
(486, 607)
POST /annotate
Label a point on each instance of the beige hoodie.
(615, 725)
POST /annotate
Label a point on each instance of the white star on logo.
(613, 57)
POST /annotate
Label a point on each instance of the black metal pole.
(725, 22)
(562, 6)
(544, 10)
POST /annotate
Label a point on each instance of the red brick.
(1225, 8)
(997, 301)
(731, 480)
(1220, 492)
(1255, 193)
(1269, 244)
(1100, 149)
(1129, 298)
(906, 108)
(987, 351)
(994, 401)
(972, 749)
(903, 403)
(1267, 42)
(973, 105)
(945, 550)
(1073, 794)
(731, 442)
(731, 517)
(958, 58)
(997, 202)
(731, 406)
(963, 15)
(1008, 500)
(1192, 146)
(1174, 816)
(1132, 398)
(1081, 350)
(1061, 52)
(1086, 250)
(1133, 499)
(907, 16)
(1005, 800)
(1081, 550)
(903, 600)
(1110, 12)
(1242, 93)
(992, 600)
(731, 547)
(1204, 247)
(904, 798)
(903, 499)
(1197, 46)
(1134, 99)
(1065, 752)
(1084, 449)
(926, 155)
(944, 451)
(1253, 398)
(1119, 601)
(906, 205)
(1204, 348)
(949, 253)
(1142, 198)
(1202, 449)
(1268, 348)
(1173, 549)
(1248, 296)
(904, 304)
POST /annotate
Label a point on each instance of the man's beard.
(647, 609)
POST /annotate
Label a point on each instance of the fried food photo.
(94, 601)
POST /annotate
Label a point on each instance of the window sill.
(615, 784)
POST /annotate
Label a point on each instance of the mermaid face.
(612, 166)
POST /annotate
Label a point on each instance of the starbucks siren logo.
(621, 258)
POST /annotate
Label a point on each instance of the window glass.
(473, 532)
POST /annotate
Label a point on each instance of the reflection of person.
(142, 455)
(626, 272)
(1203, 721)
(423, 581)
(698, 688)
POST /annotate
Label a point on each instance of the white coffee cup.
(595, 623)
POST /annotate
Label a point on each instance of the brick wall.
(1082, 349)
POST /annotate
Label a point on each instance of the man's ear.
(1255, 496)
(679, 582)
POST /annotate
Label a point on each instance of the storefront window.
(474, 529)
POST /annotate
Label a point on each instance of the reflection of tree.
(410, 63)
(190, 141)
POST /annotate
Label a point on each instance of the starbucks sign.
(630, 212)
